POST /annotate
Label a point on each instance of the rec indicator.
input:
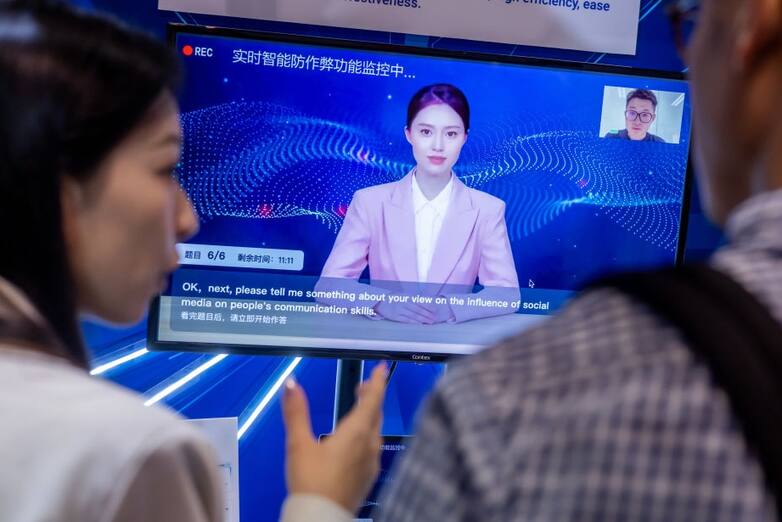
(204, 52)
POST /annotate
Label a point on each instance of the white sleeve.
(174, 482)
(305, 508)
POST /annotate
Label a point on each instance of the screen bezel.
(176, 29)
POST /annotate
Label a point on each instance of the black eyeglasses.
(682, 15)
(645, 117)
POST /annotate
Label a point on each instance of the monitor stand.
(349, 374)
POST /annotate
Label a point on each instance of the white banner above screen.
(606, 26)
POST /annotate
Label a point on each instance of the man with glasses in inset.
(640, 112)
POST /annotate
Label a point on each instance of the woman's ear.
(408, 135)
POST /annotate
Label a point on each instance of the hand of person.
(343, 467)
(442, 312)
(408, 312)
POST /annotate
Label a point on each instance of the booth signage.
(607, 26)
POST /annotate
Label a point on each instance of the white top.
(309, 508)
(429, 216)
(75, 447)
(79, 448)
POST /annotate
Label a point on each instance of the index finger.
(429, 307)
(372, 394)
(421, 312)
(296, 416)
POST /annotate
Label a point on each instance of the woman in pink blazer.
(428, 233)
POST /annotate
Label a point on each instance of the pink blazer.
(379, 231)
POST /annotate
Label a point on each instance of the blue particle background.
(273, 155)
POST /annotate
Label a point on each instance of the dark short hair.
(439, 93)
(642, 94)
(72, 86)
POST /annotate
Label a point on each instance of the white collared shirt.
(429, 216)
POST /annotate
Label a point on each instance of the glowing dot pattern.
(265, 161)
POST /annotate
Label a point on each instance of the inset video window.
(643, 115)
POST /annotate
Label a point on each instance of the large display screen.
(338, 218)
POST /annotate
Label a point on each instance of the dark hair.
(642, 94)
(439, 93)
(72, 86)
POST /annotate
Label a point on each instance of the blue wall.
(234, 387)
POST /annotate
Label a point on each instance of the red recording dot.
(187, 50)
